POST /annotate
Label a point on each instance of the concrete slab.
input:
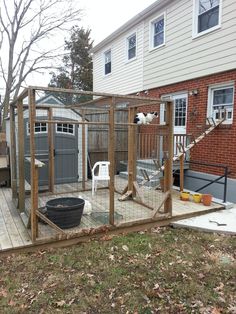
(223, 221)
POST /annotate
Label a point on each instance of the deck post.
(13, 152)
(33, 172)
(132, 151)
(51, 151)
(111, 156)
(21, 155)
(169, 161)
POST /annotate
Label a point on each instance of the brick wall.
(219, 146)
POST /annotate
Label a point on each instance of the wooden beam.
(166, 195)
(111, 156)
(84, 153)
(51, 165)
(33, 169)
(13, 153)
(181, 159)
(49, 222)
(21, 155)
(169, 162)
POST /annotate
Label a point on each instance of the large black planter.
(65, 212)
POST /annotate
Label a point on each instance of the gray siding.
(126, 77)
(184, 57)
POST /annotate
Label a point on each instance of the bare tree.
(24, 26)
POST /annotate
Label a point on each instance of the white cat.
(145, 118)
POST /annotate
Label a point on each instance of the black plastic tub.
(65, 212)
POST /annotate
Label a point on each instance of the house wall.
(126, 77)
(219, 146)
(185, 57)
(181, 58)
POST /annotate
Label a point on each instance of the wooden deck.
(13, 232)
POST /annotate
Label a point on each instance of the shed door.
(66, 153)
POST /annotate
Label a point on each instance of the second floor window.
(157, 32)
(107, 59)
(207, 15)
(131, 46)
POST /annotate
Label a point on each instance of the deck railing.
(153, 145)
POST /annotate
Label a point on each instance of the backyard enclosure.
(54, 147)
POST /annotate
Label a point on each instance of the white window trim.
(127, 47)
(65, 133)
(211, 88)
(151, 22)
(103, 56)
(35, 133)
(195, 33)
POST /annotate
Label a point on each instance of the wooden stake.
(181, 159)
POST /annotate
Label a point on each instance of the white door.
(180, 117)
(180, 113)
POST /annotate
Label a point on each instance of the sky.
(102, 17)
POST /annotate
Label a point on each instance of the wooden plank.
(166, 196)
(181, 173)
(51, 165)
(21, 156)
(12, 231)
(49, 222)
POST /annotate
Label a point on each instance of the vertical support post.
(169, 161)
(33, 172)
(13, 152)
(181, 178)
(132, 151)
(111, 156)
(51, 151)
(225, 184)
(21, 155)
(83, 151)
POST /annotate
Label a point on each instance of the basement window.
(221, 102)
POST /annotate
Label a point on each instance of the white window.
(207, 16)
(131, 47)
(157, 32)
(221, 101)
(107, 62)
(39, 127)
(65, 128)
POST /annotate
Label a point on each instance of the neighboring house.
(184, 50)
(67, 142)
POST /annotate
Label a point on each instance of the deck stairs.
(149, 171)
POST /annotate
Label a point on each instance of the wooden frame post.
(51, 168)
(33, 172)
(21, 156)
(169, 161)
(13, 152)
(111, 157)
(181, 172)
(83, 152)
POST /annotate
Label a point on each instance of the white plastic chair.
(102, 175)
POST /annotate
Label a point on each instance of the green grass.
(164, 271)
